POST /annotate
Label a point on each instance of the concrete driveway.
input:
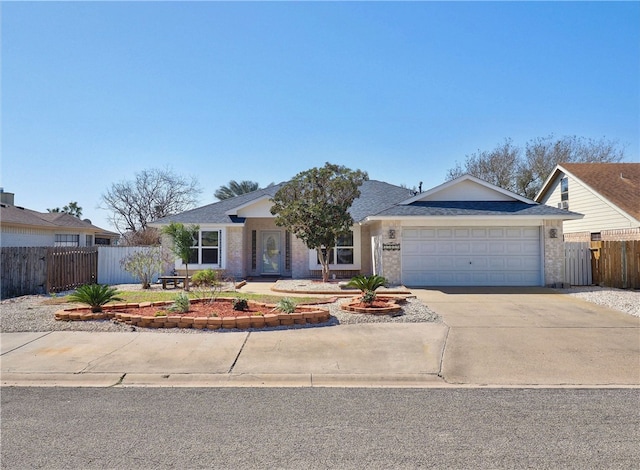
(534, 336)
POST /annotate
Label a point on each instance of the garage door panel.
(472, 256)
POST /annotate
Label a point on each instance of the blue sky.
(94, 92)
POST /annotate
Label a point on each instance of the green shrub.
(205, 278)
(286, 305)
(240, 304)
(161, 313)
(181, 304)
(95, 296)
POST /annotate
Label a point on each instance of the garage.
(471, 256)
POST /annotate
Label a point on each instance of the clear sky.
(94, 92)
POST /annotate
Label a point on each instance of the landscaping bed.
(202, 313)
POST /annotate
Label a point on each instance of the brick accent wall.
(577, 237)
(236, 253)
(553, 254)
(299, 259)
(388, 263)
(621, 234)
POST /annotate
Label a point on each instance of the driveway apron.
(534, 336)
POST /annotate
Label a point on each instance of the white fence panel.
(109, 269)
(577, 263)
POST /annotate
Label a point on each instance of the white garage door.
(471, 256)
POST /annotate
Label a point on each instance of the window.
(343, 252)
(564, 189)
(64, 239)
(89, 240)
(206, 248)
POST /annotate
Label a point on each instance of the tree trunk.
(325, 264)
(186, 277)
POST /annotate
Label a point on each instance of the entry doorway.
(271, 253)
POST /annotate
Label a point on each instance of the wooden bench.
(173, 280)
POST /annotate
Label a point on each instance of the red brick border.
(304, 314)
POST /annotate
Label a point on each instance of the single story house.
(465, 232)
(607, 194)
(25, 227)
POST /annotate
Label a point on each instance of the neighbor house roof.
(375, 196)
(15, 215)
(619, 183)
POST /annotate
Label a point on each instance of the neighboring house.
(608, 194)
(24, 227)
(464, 232)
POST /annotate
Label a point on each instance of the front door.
(271, 258)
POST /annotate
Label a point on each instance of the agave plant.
(286, 305)
(181, 304)
(95, 296)
(367, 285)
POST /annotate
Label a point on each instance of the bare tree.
(524, 172)
(151, 195)
(498, 166)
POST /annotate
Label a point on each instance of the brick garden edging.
(304, 314)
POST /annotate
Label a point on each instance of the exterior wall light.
(392, 234)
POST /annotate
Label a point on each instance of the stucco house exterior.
(608, 194)
(465, 232)
(24, 227)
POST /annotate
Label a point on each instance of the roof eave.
(475, 217)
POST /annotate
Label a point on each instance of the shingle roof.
(375, 196)
(50, 220)
(618, 182)
(475, 208)
(22, 216)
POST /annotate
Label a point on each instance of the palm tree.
(235, 188)
(184, 238)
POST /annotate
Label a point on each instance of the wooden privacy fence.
(39, 270)
(24, 271)
(577, 263)
(68, 268)
(616, 263)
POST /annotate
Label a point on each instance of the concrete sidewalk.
(375, 355)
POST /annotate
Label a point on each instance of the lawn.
(155, 296)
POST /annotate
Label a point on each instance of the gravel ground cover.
(35, 313)
(624, 300)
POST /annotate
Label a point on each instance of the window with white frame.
(345, 254)
(66, 239)
(564, 193)
(206, 248)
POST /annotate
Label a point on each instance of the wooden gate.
(71, 267)
(577, 263)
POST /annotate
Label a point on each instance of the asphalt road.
(324, 428)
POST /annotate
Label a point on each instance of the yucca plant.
(367, 285)
(95, 296)
(286, 305)
(181, 304)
